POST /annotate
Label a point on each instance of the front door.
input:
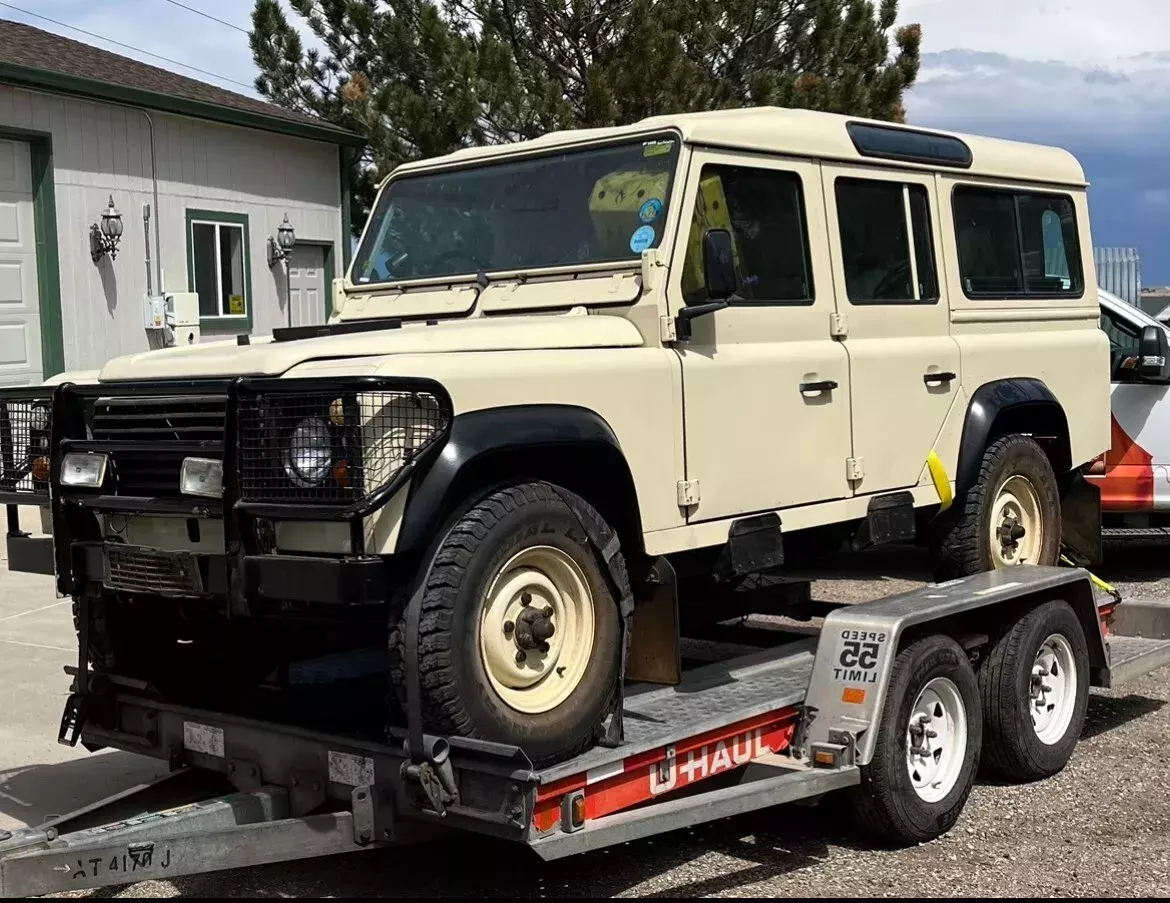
(903, 363)
(765, 386)
(20, 325)
(307, 291)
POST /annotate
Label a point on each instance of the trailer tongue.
(787, 723)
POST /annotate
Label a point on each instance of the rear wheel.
(1035, 691)
(519, 634)
(1010, 516)
(927, 749)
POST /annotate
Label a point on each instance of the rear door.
(903, 363)
(20, 325)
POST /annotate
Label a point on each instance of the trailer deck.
(734, 736)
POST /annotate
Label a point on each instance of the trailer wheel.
(1035, 690)
(1010, 516)
(927, 749)
(519, 634)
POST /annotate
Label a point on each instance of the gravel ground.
(1100, 828)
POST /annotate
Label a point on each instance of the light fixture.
(104, 239)
(279, 247)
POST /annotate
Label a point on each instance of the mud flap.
(607, 545)
(1080, 508)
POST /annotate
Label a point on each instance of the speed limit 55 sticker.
(857, 656)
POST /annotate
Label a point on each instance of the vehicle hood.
(265, 357)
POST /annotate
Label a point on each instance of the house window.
(218, 264)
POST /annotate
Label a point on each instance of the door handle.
(944, 377)
(824, 385)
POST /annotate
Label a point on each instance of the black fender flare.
(477, 434)
(988, 402)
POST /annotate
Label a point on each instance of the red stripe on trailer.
(667, 769)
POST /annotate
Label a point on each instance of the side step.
(1135, 534)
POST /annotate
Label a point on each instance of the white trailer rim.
(1052, 690)
(1017, 523)
(540, 581)
(936, 740)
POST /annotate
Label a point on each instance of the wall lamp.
(279, 247)
(104, 239)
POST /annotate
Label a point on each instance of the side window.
(886, 243)
(1124, 343)
(1017, 245)
(763, 209)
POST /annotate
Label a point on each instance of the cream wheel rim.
(536, 629)
(1017, 523)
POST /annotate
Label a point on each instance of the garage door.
(20, 327)
(306, 284)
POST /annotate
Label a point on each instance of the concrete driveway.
(38, 777)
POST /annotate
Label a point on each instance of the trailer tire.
(906, 799)
(1016, 490)
(1032, 665)
(520, 541)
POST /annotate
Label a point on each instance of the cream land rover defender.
(563, 372)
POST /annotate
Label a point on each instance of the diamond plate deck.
(1131, 656)
(709, 697)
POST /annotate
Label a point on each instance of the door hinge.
(854, 468)
(667, 332)
(838, 326)
(688, 493)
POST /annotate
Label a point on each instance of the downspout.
(157, 216)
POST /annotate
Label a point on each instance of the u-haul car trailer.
(854, 707)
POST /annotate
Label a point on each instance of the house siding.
(102, 149)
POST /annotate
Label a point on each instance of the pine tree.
(420, 78)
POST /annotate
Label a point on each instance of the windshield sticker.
(656, 148)
(650, 211)
(642, 238)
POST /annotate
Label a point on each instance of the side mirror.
(719, 264)
(1153, 354)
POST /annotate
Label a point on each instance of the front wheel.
(927, 749)
(1010, 516)
(519, 634)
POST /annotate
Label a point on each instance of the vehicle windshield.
(587, 206)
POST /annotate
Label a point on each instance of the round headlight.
(38, 417)
(309, 457)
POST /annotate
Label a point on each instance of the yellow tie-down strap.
(942, 482)
(1097, 581)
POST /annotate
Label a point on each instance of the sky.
(1090, 75)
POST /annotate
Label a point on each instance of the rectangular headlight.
(201, 476)
(85, 469)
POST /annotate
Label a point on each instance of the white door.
(306, 284)
(903, 364)
(20, 325)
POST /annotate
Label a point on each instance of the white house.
(201, 178)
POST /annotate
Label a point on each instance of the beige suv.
(563, 372)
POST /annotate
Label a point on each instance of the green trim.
(238, 219)
(343, 155)
(78, 86)
(48, 253)
(329, 249)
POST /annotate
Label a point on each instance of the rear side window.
(1015, 244)
(887, 247)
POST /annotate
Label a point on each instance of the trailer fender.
(858, 644)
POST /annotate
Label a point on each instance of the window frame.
(219, 218)
(908, 213)
(1015, 194)
(806, 241)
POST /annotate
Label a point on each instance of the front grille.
(25, 433)
(140, 570)
(156, 422)
(330, 447)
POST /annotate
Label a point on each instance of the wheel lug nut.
(526, 598)
(508, 627)
(543, 647)
(521, 656)
(548, 611)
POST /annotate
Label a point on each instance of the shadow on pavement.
(34, 793)
(1107, 713)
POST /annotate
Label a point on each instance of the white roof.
(799, 133)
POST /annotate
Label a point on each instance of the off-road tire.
(1011, 747)
(886, 806)
(457, 696)
(959, 541)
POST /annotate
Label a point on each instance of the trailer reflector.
(853, 695)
